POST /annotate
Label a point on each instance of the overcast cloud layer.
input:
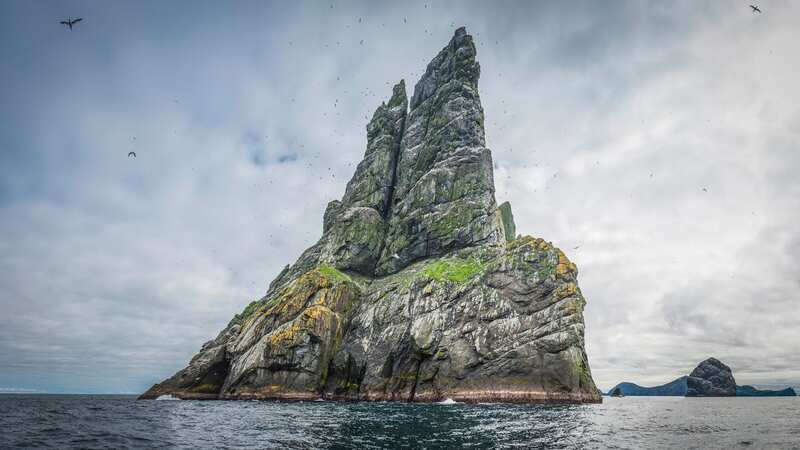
(656, 143)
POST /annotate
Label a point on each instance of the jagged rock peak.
(444, 187)
(507, 220)
(455, 61)
(373, 181)
(426, 178)
(354, 227)
(399, 95)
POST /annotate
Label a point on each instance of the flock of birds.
(70, 23)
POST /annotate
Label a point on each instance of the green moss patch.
(455, 270)
(334, 274)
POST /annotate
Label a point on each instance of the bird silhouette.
(755, 9)
(70, 22)
(131, 154)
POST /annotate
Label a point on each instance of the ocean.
(121, 422)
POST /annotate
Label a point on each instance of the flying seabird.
(755, 9)
(131, 154)
(70, 22)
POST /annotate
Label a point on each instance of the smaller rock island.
(711, 378)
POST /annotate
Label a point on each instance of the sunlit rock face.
(418, 289)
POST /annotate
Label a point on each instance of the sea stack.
(711, 378)
(418, 289)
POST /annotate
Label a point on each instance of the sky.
(656, 143)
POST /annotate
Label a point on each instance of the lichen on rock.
(418, 289)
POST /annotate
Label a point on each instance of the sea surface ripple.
(95, 422)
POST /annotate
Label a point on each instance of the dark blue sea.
(119, 422)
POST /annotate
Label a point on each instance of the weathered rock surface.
(418, 289)
(444, 191)
(507, 221)
(711, 378)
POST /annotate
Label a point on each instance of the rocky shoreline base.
(500, 396)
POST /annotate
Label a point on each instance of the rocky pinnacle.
(418, 289)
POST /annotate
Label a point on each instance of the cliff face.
(417, 289)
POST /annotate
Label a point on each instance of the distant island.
(676, 387)
(711, 378)
(750, 391)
